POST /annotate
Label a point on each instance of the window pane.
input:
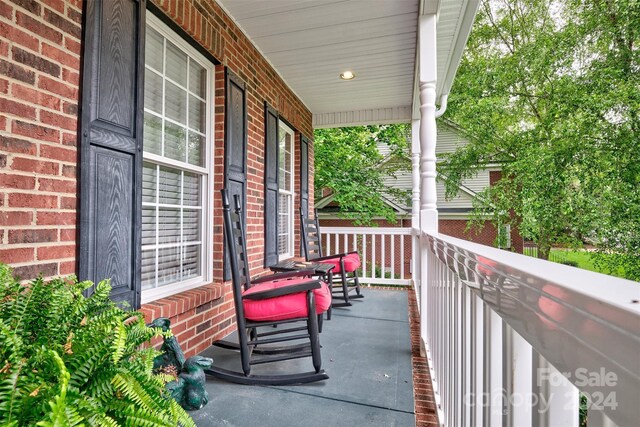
(168, 265)
(196, 113)
(192, 191)
(191, 262)
(191, 225)
(148, 226)
(149, 181)
(176, 63)
(283, 224)
(152, 134)
(197, 79)
(152, 91)
(175, 141)
(169, 226)
(196, 149)
(169, 186)
(148, 269)
(175, 106)
(153, 55)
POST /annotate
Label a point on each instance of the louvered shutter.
(271, 187)
(235, 147)
(111, 146)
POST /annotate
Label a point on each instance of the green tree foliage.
(348, 163)
(67, 360)
(551, 90)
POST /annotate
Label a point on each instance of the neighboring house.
(453, 214)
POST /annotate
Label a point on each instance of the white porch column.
(428, 199)
(415, 207)
(428, 133)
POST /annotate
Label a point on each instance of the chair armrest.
(342, 255)
(284, 290)
(283, 275)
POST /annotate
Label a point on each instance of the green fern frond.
(119, 342)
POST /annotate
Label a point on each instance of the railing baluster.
(365, 255)
(392, 256)
(383, 254)
(373, 256)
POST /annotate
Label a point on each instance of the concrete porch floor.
(366, 350)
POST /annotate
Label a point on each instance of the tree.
(348, 163)
(551, 90)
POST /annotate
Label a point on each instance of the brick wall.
(39, 95)
(39, 78)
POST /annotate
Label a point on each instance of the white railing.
(513, 340)
(385, 252)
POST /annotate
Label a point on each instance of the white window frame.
(206, 252)
(291, 194)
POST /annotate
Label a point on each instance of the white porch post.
(428, 198)
(415, 207)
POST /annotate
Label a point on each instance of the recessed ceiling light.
(347, 75)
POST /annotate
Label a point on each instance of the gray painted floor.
(366, 351)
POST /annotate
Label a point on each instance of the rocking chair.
(271, 301)
(345, 264)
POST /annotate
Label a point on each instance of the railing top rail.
(366, 230)
(584, 323)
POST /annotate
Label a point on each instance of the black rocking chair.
(343, 277)
(267, 303)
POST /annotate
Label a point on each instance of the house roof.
(310, 42)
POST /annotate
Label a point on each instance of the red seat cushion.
(287, 306)
(351, 263)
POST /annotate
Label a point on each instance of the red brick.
(12, 256)
(60, 56)
(35, 131)
(38, 27)
(35, 201)
(35, 96)
(62, 23)
(67, 235)
(74, 15)
(70, 139)
(35, 61)
(15, 218)
(70, 77)
(17, 109)
(32, 271)
(56, 218)
(58, 153)
(55, 5)
(15, 145)
(68, 203)
(4, 86)
(32, 236)
(30, 5)
(69, 171)
(59, 120)
(57, 87)
(56, 252)
(67, 268)
(37, 166)
(72, 45)
(18, 36)
(6, 11)
(17, 181)
(56, 185)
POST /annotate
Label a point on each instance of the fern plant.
(70, 360)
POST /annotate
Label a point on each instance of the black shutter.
(235, 147)
(304, 175)
(111, 145)
(270, 186)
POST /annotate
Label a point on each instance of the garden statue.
(188, 389)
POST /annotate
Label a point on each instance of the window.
(176, 169)
(285, 191)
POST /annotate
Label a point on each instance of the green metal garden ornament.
(188, 389)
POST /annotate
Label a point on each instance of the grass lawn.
(584, 260)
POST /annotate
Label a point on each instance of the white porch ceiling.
(310, 42)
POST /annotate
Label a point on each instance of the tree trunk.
(544, 249)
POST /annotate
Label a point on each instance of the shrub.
(67, 360)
